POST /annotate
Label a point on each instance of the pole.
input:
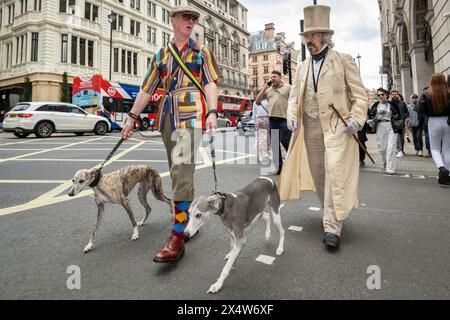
(315, 2)
(359, 63)
(290, 68)
(302, 28)
(110, 50)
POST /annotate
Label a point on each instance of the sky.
(355, 23)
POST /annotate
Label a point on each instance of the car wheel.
(79, 133)
(43, 129)
(145, 124)
(21, 134)
(100, 128)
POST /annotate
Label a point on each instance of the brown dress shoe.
(172, 251)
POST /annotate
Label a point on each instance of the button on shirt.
(184, 101)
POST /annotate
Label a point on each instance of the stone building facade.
(415, 42)
(40, 40)
(222, 27)
(267, 50)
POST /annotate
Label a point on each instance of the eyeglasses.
(187, 17)
(381, 95)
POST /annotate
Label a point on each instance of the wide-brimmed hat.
(184, 10)
(317, 19)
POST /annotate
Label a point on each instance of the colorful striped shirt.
(184, 101)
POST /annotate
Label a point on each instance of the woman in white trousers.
(381, 119)
(435, 103)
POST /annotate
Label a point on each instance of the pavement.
(398, 234)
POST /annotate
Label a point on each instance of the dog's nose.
(186, 236)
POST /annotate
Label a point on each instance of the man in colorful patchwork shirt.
(184, 113)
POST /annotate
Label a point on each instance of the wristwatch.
(212, 111)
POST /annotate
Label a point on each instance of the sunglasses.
(187, 17)
(381, 95)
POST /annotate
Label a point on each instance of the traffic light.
(286, 62)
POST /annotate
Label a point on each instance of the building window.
(129, 62)
(177, 2)
(255, 71)
(118, 22)
(1, 18)
(266, 69)
(11, 13)
(151, 9)
(90, 53)
(135, 63)
(64, 47)
(255, 59)
(135, 28)
(37, 5)
(123, 61)
(116, 60)
(90, 11)
(165, 39)
(151, 35)
(8, 55)
(23, 6)
(165, 16)
(66, 5)
(82, 51)
(74, 49)
(34, 46)
(266, 57)
(132, 3)
(244, 60)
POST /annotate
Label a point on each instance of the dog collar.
(96, 180)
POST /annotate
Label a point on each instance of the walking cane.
(353, 135)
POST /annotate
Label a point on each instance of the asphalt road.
(402, 228)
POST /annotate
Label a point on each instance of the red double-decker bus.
(232, 107)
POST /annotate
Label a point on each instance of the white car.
(44, 118)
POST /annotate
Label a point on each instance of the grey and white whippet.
(238, 212)
(115, 187)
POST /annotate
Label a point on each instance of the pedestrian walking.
(385, 119)
(182, 114)
(435, 103)
(277, 93)
(323, 157)
(262, 129)
(415, 122)
(397, 98)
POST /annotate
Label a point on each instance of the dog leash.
(213, 157)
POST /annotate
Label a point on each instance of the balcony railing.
(28, 17)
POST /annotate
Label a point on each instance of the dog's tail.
(156, 185)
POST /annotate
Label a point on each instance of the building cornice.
(218, 17)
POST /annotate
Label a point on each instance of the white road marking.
(406, 176)
(86, 160)
(51, 197)
(31, 181)
(314, 209)
(48, 150)
(266, 259)
(295, 228)
(87, 149)
(419, 177)
(14, 143)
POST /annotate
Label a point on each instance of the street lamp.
(359, 63)
(111, 20)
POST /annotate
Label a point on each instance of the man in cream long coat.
(323, 157)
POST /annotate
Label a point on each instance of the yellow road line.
(43, 151)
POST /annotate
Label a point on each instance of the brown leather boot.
(172, 251)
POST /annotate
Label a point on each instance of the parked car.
(246, 126)
(45, 118)
(222, 121)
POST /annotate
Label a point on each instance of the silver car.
(45, 118)
(222, 121)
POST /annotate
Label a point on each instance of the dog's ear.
(216, 202)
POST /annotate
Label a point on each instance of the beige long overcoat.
(339, 83)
